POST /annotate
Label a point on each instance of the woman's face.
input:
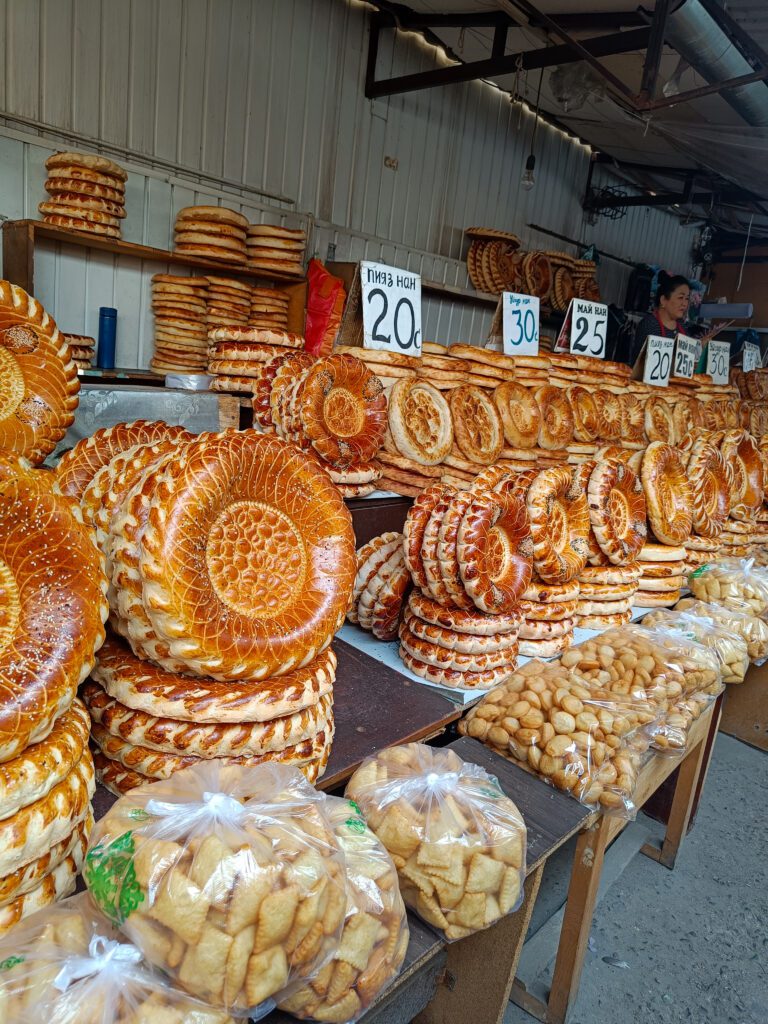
(676, 306)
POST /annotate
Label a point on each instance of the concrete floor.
(692, 943)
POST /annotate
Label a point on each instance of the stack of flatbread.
(86, 193)
(212, 232)
(148, 723)
(237, 355)
(269, 308)
(81, 349)
(229, 303)
(179, 305)
(273, 248)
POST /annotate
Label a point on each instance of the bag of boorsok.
(735, 583)
(375, 935)
(575, 735)
(752, 629)
(229, 879)
(457, 841)
(729, 646)
(67, 964)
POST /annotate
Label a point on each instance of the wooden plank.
(19, 254)
(551, 817)
(481, 968)
(745, 708)
(147, 252)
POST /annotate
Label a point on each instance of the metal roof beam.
(546, 56)
(654, 51)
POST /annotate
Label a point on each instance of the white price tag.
(520, 324)
(391, 308)
(686, 352)
(718, 361)
(589, 323)
(658, 360)
(751, 360)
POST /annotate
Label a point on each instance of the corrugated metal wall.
(267, 95)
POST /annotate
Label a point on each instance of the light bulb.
(528, 179)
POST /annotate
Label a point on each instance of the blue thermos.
(105, 358)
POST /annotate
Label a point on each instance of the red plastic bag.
(325, 305)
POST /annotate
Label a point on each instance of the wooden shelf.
(20, 236)
(452, 291)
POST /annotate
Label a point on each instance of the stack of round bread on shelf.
(228, 303)
(333, 407)
(211, 232)
(53, 611)
(39, 388)
(381, 586)
(81, 349)
(496, 263)
(237, 356)
(269, 308)
(179, 311)
(86, 193)
(231, 561)
(276, 249)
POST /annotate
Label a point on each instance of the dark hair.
(668, 283)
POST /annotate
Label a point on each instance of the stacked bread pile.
(469, 556)
(81, 349)
(741, 452)
(87, 193)
(211, 232)
(462, 364)
(334, 407)
(228, 654)
(618, 533)
(228, 303)
(179, 311)
(54, 609)
(496, 263)
(381, 586)
(269, 308)
(276, 249)
(237, 356)
(388, 366)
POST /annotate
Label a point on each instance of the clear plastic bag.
(457, 841)
(229, 879)
(735, 583)
(729, 646)
(752, 629)
(575, 735)
(665, 666)
(375, 935)
(67, 964)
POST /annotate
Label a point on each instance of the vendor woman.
(671, 306)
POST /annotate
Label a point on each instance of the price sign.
(391, 308)
(589, 322)
(718, 361)
(520, 324)
(751, 359)
(686, 351)
(658, 360)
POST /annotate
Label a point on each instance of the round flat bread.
(276, 231)
(100, 186)
(79, 224)
(61, 202)
(420, 421)
(211, 252)
(77, 210)
(217, 229)
(199, 238)
(462, 621)
(601, 622)
(90, 161)
(56, 885)
(546, 648)
(451, 677)
(476, 424)
(652, 599)
(31, 875)
(212, 213)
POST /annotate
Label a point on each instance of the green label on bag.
(699, 571)
(356, 823)
(11, 961)
(111, 878)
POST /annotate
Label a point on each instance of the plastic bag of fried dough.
(457, 841)
(67, 964)
(229, 879)
(735, 583)
(375, 935)
(577, 736)
(729, 646)
(753, 629)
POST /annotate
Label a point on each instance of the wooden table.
(597, 833)
(745, 709)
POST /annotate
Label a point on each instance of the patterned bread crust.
(474, 623)
(54, 886)
(667, 493)
(31, 875)
(617, 511)
(39, 386)
(243, 739)
(36, 828)
(560, 526)
(710, 491)
(494, 549)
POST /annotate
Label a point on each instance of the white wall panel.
(235, 100)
